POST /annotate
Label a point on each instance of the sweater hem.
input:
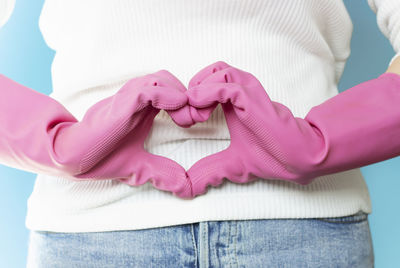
(163, 213)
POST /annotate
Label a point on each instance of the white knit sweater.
(296, 48)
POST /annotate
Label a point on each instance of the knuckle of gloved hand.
(153, 80)
(219, 65)
(223, 76)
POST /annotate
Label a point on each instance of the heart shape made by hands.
(256, 149)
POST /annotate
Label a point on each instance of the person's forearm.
(394, 67)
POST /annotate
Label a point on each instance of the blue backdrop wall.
(25, 58)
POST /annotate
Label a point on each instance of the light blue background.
(25, 58)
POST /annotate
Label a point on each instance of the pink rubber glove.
(357, 127)
(37, 134)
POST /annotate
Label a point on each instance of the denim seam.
(234, 256)
(205, 248)
(218, 225)
(194, 245)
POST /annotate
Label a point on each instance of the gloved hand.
(357, 127)
(38, 134)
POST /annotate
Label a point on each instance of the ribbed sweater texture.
(297, 50)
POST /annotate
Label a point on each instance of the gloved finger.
(160, 78)
(214, 89)
(217, 93)
(163, 173)
(182, 115)
(187, 115)
(142, 91)
(212, 170)
(202, 114)
(207, 71)
(253, 88)
(231, 74)
(179, 110)
(170, 80)
(161, 97)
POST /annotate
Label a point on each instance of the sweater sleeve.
(388, 20)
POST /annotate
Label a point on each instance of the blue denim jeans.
(319, 242)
